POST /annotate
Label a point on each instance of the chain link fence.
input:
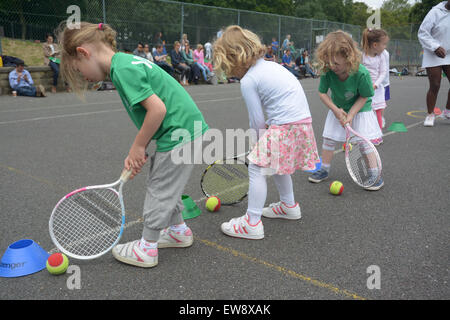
(139, 21)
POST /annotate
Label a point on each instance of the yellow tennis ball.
(350, 145)
(336, 188)
(57, 263)
(213, 204)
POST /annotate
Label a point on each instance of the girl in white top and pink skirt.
(279, 113)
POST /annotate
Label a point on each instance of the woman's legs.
(446, 70)
(203, 70)
(55, 68)
(434, 78)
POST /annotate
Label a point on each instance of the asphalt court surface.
(54, 145)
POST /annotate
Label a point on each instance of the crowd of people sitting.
(186, 64)
(297, 61)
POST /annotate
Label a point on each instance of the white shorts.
(365, 123)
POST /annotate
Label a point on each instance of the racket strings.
(362, 161)
(228, 181)
(88, 222)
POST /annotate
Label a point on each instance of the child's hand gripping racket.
(362, 159)
(88, 222)
(227, 179)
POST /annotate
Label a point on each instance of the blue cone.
(22, 258)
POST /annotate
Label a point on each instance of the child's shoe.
(241, 228)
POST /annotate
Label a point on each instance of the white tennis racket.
(362, 159)
(88, 222)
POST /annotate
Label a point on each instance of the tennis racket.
(362, 159)
(227, 179)
(88, 222)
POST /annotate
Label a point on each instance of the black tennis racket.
(226, 179)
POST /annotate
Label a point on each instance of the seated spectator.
(20, 81)
(139, 51)
(308, 67)
(147, 52)
(195, 69)
(179, 63)
(199, 59)
(300, 65)
(288, 63)
(269, 56)
(52, 56)
(160, 59)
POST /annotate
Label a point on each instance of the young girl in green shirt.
(351, 97)
(159, 106)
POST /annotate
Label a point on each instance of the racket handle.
(125, 175)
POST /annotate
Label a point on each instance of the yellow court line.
(412, 114)
(217, 246)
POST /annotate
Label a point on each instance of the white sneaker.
(241, 228)
(131, 253)
(282, 211)
(446, 114)
(429, 120)
(171, 239)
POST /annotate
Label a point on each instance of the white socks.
(146, 245)
(179, 227)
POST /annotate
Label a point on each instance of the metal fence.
(138, 21)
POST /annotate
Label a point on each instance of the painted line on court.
(62, 106)
(413, 114)
(216, 246)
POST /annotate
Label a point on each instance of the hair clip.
(100, 26)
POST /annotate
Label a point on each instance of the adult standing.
(434, 36)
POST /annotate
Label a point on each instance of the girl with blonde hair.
(351, 97)
(158, 106)
(279, 113)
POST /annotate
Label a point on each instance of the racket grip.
(126, 175)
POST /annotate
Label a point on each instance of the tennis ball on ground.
(57, 263)
(213, 204)
(336, 188)
(350, 145)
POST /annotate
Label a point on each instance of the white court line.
(61, 107)
(95, 112)
(61, 116)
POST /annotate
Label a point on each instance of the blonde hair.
(199, 46)
(70, 39)
(370, 36)
(237, 48)
(338, 43)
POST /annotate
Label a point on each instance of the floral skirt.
(286, 148)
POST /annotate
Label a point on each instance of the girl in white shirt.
(279, 113)
(434, 35)
(374, 42)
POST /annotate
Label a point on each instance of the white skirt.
(378, 99)
(365, 123)
(430, 59)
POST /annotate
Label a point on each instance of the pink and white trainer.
(131, 253)
(168, 238)
(241, 228)
(281, 211)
